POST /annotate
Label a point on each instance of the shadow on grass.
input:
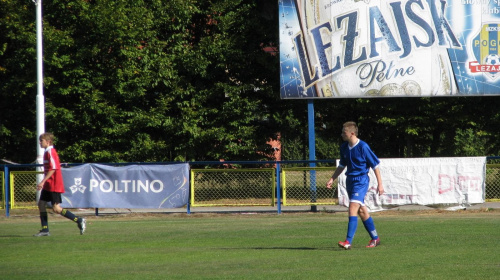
(282, 248)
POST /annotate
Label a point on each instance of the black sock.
(69, 215)
(44, 218)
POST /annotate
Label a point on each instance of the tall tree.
(150, 80)
(17, 81)
(153, 80)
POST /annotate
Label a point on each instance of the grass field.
(415, 245)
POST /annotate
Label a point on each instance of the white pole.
(40, 100)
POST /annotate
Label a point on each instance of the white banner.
(435, 182)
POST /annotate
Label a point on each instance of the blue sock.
(351, 228)
(370, 227)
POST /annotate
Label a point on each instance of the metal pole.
(189, 203)
(6, 190)
(278, 186)
(40, 100)
(312, 152)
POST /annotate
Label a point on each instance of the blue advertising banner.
(133, 186)
(387, 48)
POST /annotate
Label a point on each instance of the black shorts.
(53, 197)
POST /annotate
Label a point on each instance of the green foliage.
(420, 127)
(469, 143)
(146, 80)
(189, 80)
(17, 81)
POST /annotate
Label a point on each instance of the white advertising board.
(435, 182)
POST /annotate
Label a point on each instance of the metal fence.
(238, 187)
(233, 187)
(492, 186)
(307, 186)
(23, 189)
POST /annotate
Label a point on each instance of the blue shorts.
(357, 186)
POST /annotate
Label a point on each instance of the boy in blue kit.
(357, 156)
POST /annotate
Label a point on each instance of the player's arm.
(47, 176)
(335, 175)
(380, 187)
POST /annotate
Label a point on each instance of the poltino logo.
(78, 187)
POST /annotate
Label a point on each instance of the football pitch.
(414, 245)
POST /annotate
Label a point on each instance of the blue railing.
(277, 164)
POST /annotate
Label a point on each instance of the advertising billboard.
(132, 186)
(383, 48)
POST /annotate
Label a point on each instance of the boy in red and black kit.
(52, 187)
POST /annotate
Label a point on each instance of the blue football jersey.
(358, 159)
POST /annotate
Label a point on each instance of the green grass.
(415, 245)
